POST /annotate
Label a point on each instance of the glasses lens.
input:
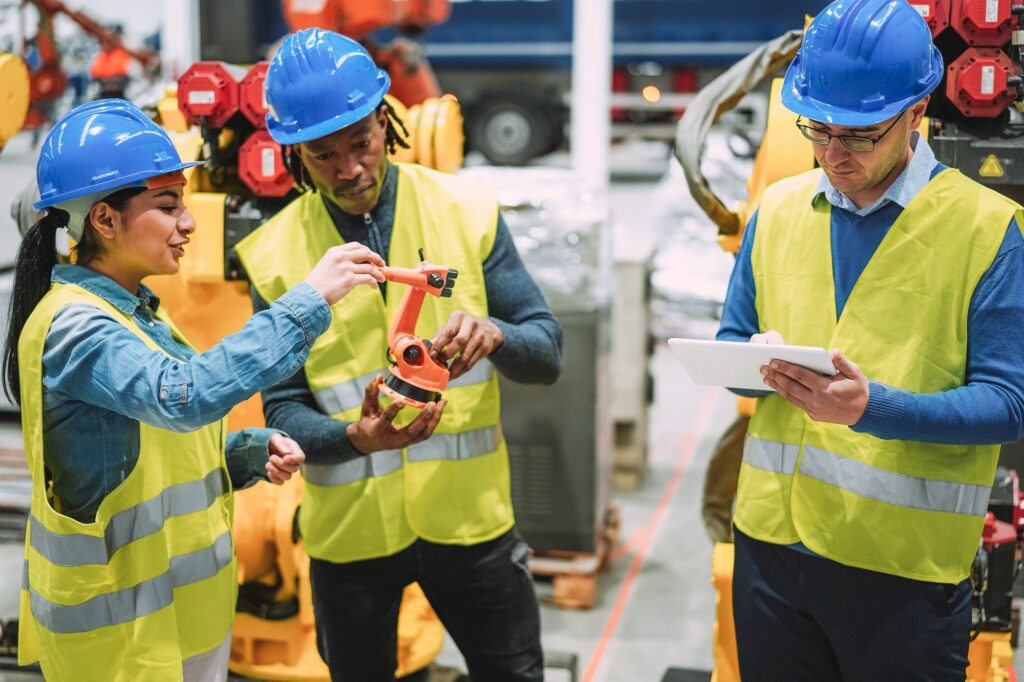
(858, 144)
(815, 135)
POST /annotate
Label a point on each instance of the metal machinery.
(14, 96)
(48, 81)
(412, 80)
(218, 113)
(976, 124)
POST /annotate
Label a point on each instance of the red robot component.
(977, 82)
(416, 377)
(984, 23)
(261, 167)
(412, 79)
(935, 13)
(208, 90)
(252, 100)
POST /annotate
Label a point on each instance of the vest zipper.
(374, 243)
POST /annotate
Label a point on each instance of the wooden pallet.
(574, 575)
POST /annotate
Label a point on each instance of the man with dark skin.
(391, 497)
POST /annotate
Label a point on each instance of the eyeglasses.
(855, 143)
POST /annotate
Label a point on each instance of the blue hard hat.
(862, 62)
(318, 83)
(101, 147)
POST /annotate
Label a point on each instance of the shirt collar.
(906, 186)
(106, 288)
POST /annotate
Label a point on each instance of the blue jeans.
(805, 618)
(482, 593)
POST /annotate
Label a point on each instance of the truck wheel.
(511, 131)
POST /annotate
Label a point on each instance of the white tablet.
(734, 364)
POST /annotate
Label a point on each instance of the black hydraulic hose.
(716, 98)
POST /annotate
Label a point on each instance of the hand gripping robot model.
(417, 376)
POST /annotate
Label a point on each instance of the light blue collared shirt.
(100, 380)
(906, 186)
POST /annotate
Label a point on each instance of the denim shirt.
(100, 380)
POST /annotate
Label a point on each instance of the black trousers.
(482, 593)
(802, 617)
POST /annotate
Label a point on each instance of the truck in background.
(508, 62)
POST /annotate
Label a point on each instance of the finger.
(784, 391)
(272, 475)
(790, 386)
(470, 355)
(392, 411)
(294, 459)
(371, 397)
(441, 341)
(844, 365)
(437, 417)
(282, 445)
(807, 377)
(368, 280)
(429, 420)
(415, 429)
(362, 253)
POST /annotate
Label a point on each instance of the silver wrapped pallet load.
(559, 436)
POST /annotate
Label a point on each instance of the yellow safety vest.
(150, 585)
(910, 509)
(453, 488)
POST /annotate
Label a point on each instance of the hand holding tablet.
(734, 364)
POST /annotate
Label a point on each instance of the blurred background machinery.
(509, 62)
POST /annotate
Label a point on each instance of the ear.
(105, 220)
(917, 113)
(382, 116)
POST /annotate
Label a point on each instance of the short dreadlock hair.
(392, 141)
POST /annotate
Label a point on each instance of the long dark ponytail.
(36, 258)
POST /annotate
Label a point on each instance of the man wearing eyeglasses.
(862, 497)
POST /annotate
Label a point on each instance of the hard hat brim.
(113, 184)
(823, 112)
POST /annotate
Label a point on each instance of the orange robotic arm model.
(416, 377)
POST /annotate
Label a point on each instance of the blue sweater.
(531, 352)
(989, 407)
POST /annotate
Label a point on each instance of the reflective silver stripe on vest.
(128, 525)
(375, 464)
(346, 395)
(133, 602)
(456, 446)
(209, 667)
(768, 455)
(888, 486)
(349, 394)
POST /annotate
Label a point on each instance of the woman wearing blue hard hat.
(862, 497)
(130, 571)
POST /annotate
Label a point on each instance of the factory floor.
(655, 606)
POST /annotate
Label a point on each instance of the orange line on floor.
(688, 443)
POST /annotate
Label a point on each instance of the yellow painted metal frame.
(14, 91)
